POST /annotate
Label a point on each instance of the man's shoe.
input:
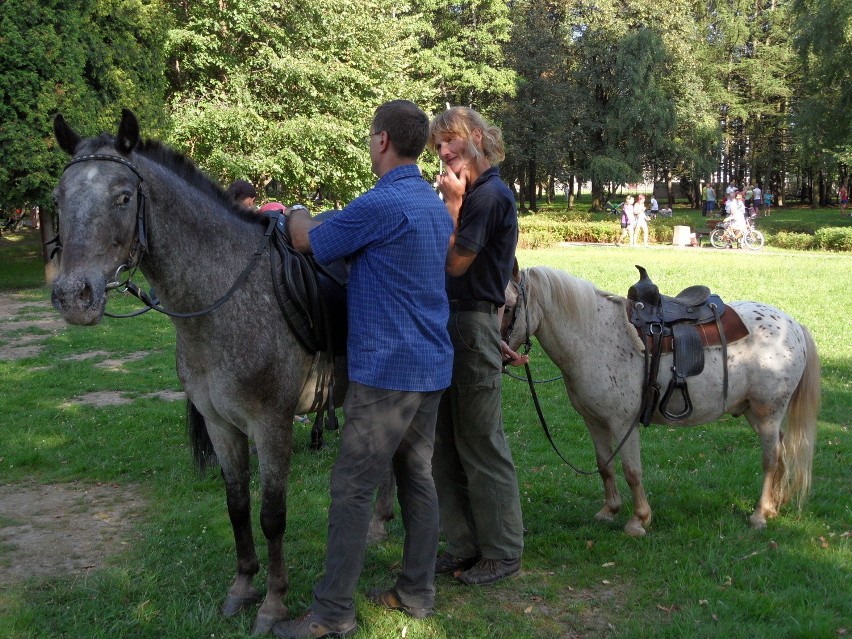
(447, 564)
(487, 571)
(312, 626)
(390, 600)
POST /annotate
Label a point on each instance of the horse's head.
(100, 205)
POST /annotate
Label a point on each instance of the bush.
(834, 239)
(795, 241)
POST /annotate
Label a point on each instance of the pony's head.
(514, 324)
(100, 204)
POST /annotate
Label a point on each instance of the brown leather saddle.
(684, 325)
(312, 298)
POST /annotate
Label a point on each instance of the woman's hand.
(511, 357)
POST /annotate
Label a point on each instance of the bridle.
(140, 247)
(527, 347)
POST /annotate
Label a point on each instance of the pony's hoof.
(263, 623)
(234, 604)
(635, 530)
(758, 522)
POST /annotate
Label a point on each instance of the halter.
(511, 327)
(141, 245)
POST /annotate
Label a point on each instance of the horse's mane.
(574, 297)
(177, 163)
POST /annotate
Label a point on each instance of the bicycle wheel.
(753, 240)
(718, 239)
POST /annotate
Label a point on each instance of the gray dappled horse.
(123, 203)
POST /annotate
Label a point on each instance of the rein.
(141, 247)
(531, 383)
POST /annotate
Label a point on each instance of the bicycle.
(724, 236)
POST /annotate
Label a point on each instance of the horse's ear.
(516, 271)
(67, 137)
(128, 133)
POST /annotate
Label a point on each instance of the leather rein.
(527, 347)
(141, 247)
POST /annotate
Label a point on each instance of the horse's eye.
(122, 199)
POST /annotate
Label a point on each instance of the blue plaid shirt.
(396, 235)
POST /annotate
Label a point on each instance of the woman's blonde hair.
(461, 122)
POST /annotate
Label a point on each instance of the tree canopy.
(282, 93)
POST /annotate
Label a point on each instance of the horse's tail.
(800, 431)
(203, 454)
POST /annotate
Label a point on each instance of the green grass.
(700, 572)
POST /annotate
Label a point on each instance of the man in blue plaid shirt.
(400, 361)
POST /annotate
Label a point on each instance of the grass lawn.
(700, 571)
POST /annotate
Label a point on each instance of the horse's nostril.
(86, 294)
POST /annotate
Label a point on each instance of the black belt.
(476, 306)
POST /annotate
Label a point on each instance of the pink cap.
(272, 206)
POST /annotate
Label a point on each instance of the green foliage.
(792, 240)
(834, 239)
(461, 53)
(85, 58)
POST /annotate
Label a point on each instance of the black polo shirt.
(488, 226)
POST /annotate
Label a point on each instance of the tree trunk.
(597, 196)
(531, 185)
(669, 189)
(521, 192)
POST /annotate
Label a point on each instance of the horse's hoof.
(234, 604)
(377, 534)
(263, 623)
(605, 515)
(635, 530)
(758, 522)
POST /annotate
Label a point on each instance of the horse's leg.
(274, 448)
(766, 421)
(602, 439)
(317, 440)
(232, 451)
(631, 463)
(383, 507)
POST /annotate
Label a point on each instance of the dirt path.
(60, 529)
(63, 529)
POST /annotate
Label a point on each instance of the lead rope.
(542, 420)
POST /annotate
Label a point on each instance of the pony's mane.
(575, 297)
(177, 163)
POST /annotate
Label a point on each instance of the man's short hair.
(241, 189)
(406, 124)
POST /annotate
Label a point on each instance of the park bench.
(705, 232)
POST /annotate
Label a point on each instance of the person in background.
(843, 196)
(474, 473)
(400, 361)
(242, 193)
(748, 200)
(767, 203)
(628, 221)
(757, 199)
(655, 207)
(736, 219)
(641, 223)
(710, 197)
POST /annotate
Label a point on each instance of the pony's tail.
(800, 432)
(203, 455)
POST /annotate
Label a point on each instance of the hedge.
(541, 231)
